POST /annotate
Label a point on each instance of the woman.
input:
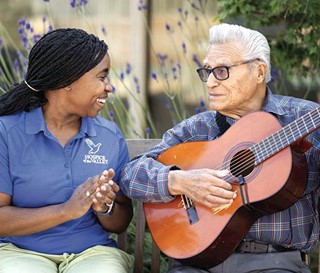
(60, 163)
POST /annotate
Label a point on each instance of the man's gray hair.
(254, 43)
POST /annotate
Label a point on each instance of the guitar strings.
(261, 152)
(282, 133)
(265, 150)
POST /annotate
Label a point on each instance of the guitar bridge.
(190, 209)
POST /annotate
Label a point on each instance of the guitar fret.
(314, 126)
(285, 136)
(292, 134)
(305, 126)
(298, 128)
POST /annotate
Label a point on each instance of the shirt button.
(66, 165)
(68, 177)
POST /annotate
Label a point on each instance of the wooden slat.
(139, 239)
(138, 146)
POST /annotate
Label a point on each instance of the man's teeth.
(101, 100)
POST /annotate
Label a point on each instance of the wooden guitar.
(267, 174)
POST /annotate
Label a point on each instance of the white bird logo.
(94, 148)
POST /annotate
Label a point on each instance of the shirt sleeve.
(146, 179)
(123, 158)
(5, 178)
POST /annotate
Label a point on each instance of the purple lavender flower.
(128, 68)
(136, 81)
(174, 72)
(104, 31)
(168, 28)
(121, 75)
(22, 22)
(203, 106)
(196, 60)
(27, 26)
(162, 58)
(142, 5)
(184, 48)
(1, 42)
(193, 5)
(25, 42)
(83, 2)
(154, 76)
(111, 115)
(16, 65)
(36, 38)
(73, 3)
(148, 130)
(167, 104)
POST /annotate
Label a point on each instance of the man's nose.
(212, 81)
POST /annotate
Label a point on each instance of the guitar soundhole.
(242, 163)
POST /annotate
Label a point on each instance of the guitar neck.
(290, 133)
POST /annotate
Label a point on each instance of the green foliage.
(295, 38)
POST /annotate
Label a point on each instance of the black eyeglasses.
(221, 73)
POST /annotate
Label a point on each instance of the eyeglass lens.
(220, 72)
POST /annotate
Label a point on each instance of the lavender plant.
(172, 72)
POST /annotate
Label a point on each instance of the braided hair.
(58, 59)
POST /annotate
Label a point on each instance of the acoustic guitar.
(267, 173)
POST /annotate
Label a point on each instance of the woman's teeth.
(101, 100)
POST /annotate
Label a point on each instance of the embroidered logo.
(92, 156)
(94, 148)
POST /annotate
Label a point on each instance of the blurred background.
(156, 47)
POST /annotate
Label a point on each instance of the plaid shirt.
(146, 180)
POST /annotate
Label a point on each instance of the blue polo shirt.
(37, 171)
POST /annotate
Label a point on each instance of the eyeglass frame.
(227, 67)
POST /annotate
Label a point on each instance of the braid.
(20, 97)
(58, 59)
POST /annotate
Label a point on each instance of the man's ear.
(262, 68)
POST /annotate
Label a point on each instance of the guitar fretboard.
(286, 136)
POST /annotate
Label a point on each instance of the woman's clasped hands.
(98, 191)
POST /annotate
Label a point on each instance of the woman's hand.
(83, 196)
(106, 193)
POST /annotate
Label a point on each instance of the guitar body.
(273, 185)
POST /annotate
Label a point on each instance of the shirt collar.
(271, 104)
(35, 123)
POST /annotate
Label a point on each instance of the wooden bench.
(138, 146)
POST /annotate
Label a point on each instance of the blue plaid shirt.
(146, 180)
